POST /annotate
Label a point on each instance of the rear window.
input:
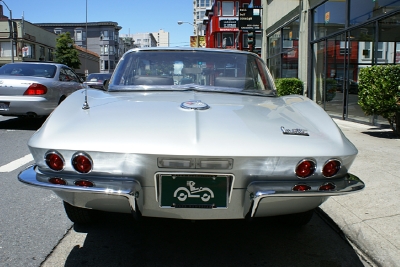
(36, 70)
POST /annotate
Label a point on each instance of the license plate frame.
(194, 191)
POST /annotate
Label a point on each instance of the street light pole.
(11, 33)
(196, 27)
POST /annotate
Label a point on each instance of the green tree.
(65, 52)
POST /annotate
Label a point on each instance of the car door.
(71, 81)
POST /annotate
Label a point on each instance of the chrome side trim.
(131, 189)
(256, 191)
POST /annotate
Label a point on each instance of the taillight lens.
(327, 187)
(82, 163)
(36, 89)
(301, 187)
(305, 168)
(56, 180)
(84, 183)
(331, 168)
(55, 161)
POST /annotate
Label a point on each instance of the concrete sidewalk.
(371, 219)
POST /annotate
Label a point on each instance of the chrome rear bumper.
(257, 191)
(257, 195)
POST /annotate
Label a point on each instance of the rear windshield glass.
(174, 69)
(37, 70)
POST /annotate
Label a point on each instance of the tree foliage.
(289, 86)
(379, 92)
(65, 52)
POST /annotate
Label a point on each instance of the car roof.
(190, 49)
(38, 63)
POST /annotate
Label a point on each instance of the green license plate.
(185, 191)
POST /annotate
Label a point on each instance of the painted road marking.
(16, 164)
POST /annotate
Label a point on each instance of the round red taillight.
(84, 183)
(55, 161)
(82, 163)
(331, 168)
(305, 168)
(327, 187)
(56, 180)
(301, 187)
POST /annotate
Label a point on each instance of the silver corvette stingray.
(191, 134)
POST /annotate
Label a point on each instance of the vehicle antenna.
(86, 104)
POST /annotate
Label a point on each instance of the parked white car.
(221, 145)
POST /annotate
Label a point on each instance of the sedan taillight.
(36, 89)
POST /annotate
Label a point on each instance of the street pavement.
(370, 219)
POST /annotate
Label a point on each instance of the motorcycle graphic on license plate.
(204, 193)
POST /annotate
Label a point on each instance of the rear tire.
(296, 219)
(79, 215)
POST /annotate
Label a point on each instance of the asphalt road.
(34, 230)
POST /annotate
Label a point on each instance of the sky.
(134, 16)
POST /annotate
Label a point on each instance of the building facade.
(325, 43)
(162, 38)
(142, 39)
(29, 42)
(200, 8)
(101, 38)
(222, 29)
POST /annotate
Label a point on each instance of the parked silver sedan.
(35, 89)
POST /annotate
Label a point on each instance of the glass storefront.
(342, 46)
(283, 48)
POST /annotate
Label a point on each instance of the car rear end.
(25, 97)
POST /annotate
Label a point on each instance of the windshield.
(191, 69)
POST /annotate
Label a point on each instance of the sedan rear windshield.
(181, 69)
(37, 70)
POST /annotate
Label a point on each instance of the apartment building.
(199, 12)
(162, 38)
(101, 38)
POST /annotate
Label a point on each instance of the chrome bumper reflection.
(256, 191)
(131, 189)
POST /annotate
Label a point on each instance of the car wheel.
(78, 215)
(296, 219)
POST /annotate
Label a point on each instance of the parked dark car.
(96, 80)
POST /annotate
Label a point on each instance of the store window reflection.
(283, 51)
(329, 18)
(367, 10)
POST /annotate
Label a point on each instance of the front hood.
(155, 123)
